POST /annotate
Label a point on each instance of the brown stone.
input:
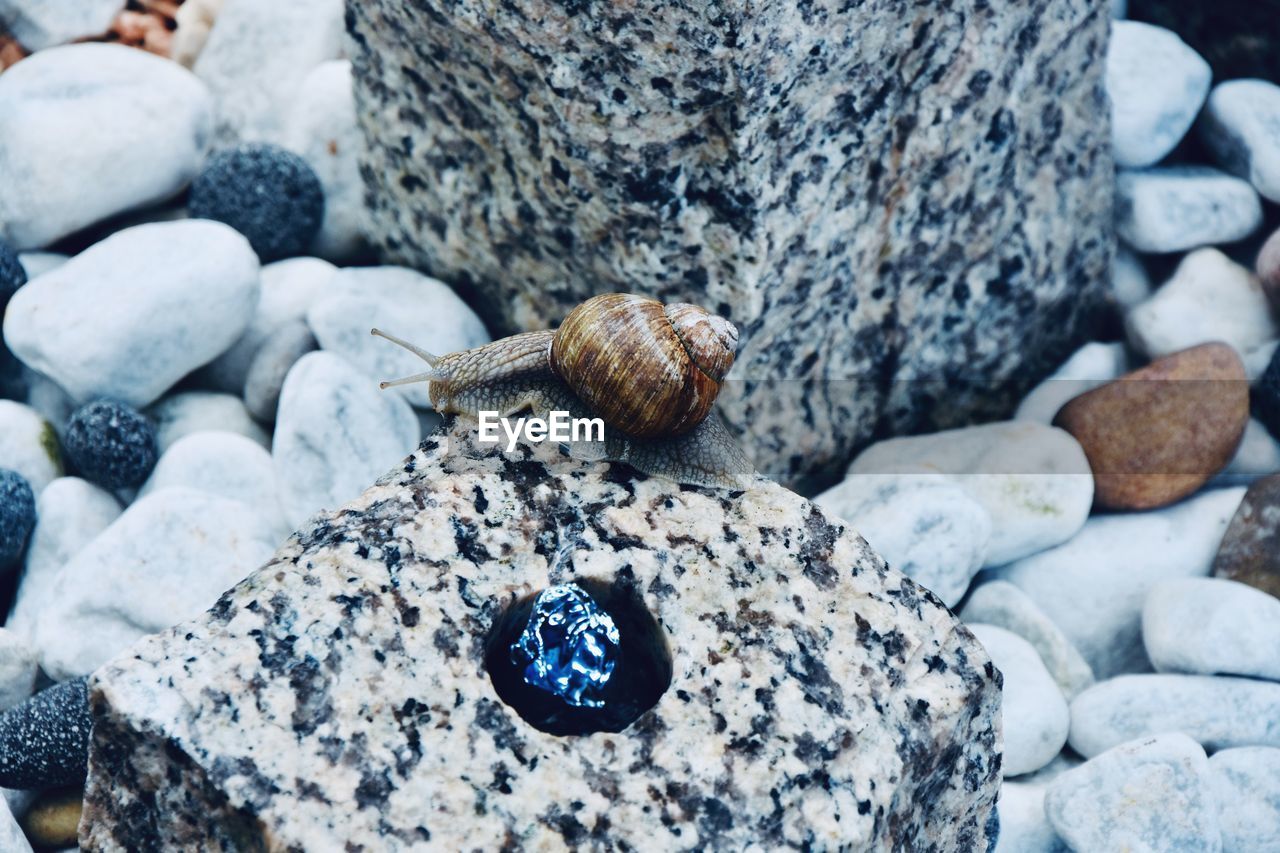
(1157, 434)
(1250, 550)
(1268, 268)
(54, 819)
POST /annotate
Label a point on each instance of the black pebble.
(44, 742)
(268, 194)
(1266, 396)
(17, 516)
(111, 444)
(12, 275)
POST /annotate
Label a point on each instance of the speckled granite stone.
(905, 208)
(818, 699)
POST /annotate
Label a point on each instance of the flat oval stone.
(1159, 433)
(1250, 549)
(1246, 781)
(1218, 711)
(1209, 626)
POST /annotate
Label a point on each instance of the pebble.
(70, 514)
(925, 526)
(48, 399)
(1004, 605)
(1130, 283)
(1246, 784)
(1218, 711)
(165, 560)
(1151, 794)
(1250, 549)
(1024, 827)
(224, 464)
(1257, 456)
(1092, 365)
(1033, 479)
(111, 444)
(1240, 125)
(270, 195)
(1161, 432)
(1209, 298)
(335, 435)
(1035, 713)
(275, 358)
(1093, 586)
(44, 742)
(39, 25)
(1174, 208)
(17, 669)
(322, 130)
(195, 20)
(12, 839)
(12, 272)
(1211, 625)
(257, 58)
(1156, 85)
(288, 289)
(190, 286)
(179, 415)
(54, 819)
(28, 445)
(403, 302)
(1268, 268)
(39, 263)
(105, 98)
(17, 517)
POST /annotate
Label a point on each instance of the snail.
(649, 371)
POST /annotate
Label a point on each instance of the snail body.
(650, 371)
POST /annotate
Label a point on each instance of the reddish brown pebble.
(1157, 434)
(1250, 550)
(1268, 269)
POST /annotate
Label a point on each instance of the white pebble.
(98, 101)
(1209, 298)
(17, 669)
(1241, 126)
(1130, 283)
(1174, 208)
(1212, 625)
(188, 412)
(336, 433)
(1092, 365)
(1156, 84)
(189, 286)
(1257, 456)
(28, 445)
(39, 263)
(275, 358)
(41, 24)
(1246, 783)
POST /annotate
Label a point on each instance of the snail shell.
(645, 368)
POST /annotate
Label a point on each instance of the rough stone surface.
(1246, 781)
(44, 741)
(190, 288)
(1159, 433)
(924, 525)
(1209, 298)
(103, 99)
(1174, 208)
(1150, 795)
(1209, 626)
(851, 186)
(1032, 707)
(1004, 605)
(342, 687)
(1156, 84)
(1250, 549)
(1033, 479)
(1093, 586)
(1217, 711)
(1241, 126)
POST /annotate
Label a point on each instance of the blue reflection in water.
(570, 644)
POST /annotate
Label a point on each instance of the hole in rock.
(578, 658)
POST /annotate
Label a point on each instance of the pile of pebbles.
(1116, 545)
(186, 373)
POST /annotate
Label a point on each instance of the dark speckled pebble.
(268, 194)
(111, 443)
(44, 742)
(17, 516)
